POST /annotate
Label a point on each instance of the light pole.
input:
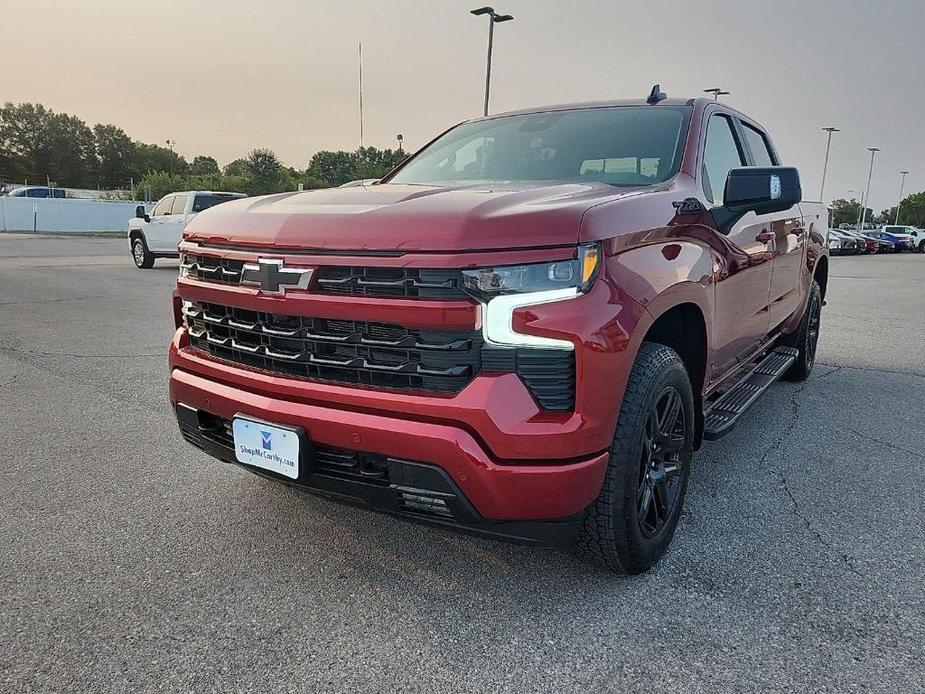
(493, 18)
(825, 166)
(716, 92)
(400, 138)
(873, 151)
(902, 184)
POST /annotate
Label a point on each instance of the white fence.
(65, 215)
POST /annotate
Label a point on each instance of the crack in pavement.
(3, 348)
(872, 368)
(846, 559)
(53, 301)
(886, 444)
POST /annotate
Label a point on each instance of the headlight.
(503, 289)
(487, 283)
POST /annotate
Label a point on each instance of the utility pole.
(870, 173)
(825, 166)
(493, 18)
(902, 184)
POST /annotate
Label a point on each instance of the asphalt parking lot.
(132, 562)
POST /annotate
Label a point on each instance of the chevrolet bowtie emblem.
(273, 276)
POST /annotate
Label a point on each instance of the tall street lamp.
(825, 166)
(873, 151)
(902, 184)
(716, 92)
(493, 18)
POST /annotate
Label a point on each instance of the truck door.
(155, 229)
(789, 242)
(168, 227)
(743, 283)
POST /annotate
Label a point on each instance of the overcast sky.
(222, 77)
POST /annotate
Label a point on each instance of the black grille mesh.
(365, 353)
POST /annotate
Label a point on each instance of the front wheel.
(143, 258)
(632, 522)
(922, 247)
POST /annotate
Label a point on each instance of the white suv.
(157, 235)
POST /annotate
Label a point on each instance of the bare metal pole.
(491, 37)
(361, 93)
(870, 173)
(825, 167)
(902, 184)
(493, 18)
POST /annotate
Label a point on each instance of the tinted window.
(163, 207)
(204, 202)
(37, 193)
(621, 146)
(179, 204)
(721, 154)
(758, 144)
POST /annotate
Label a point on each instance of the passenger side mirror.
(758, 189)
(141, 214)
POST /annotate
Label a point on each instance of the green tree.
(40, 145)
(236, 168)
(157, 184)
(203, 165)
(337, 168)
(154, 158)
(911, 211)
(843, 211)
(116, 156)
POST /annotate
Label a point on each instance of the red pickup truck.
(524, 331)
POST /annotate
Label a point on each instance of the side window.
(758, 144)
(179, 204)
(720, 154)
(163, 207)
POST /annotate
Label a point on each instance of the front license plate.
(266, 446)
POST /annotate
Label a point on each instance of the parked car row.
(893, 239)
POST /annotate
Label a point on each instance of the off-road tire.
(612, 534)
(806, 337)
(141, 256)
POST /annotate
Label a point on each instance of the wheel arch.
(683, 328)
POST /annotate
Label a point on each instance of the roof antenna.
(656, 94)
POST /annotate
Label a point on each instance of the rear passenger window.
(179, 204)
(720, 154)
(758, 144)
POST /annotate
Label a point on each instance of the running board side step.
(724, 412)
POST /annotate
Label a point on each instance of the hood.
(406, 217)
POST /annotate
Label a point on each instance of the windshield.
(622, 146)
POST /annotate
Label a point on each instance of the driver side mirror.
(758, 189)
(141, 213)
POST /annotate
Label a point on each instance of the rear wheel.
(633, 520)
(806, 337)
(143, 258)
(922, 247)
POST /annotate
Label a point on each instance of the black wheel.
(629, 526)
(806, 337)
(922, 247)
(143, 258)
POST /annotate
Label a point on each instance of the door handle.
(764, 236)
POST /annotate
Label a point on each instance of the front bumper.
(537, 503)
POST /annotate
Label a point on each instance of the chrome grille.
(360, 352)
